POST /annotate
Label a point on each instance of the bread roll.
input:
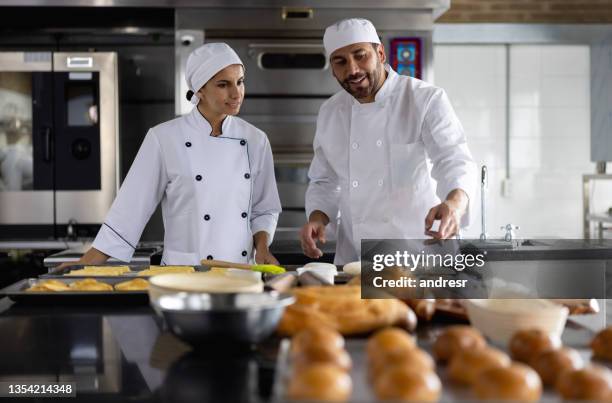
(456, 338)
(466, 365)
(323, 355)
(550, 364)
(387, 340)
(602, 344)
(318, 336)
(526, 344)
(414, 358)
(516, 382)
(408, 384)
(593, 383)
(320, 382)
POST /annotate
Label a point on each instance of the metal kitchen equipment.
(216, 318)
(58, 142)
(288, 76)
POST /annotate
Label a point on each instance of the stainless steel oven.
(58, 142)
(288, 76)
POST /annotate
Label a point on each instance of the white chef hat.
(347, 32)
(206, 61)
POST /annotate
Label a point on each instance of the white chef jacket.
(374, 163)
(216, 192)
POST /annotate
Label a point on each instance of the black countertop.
(123, 354)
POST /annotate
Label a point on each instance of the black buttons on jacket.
(198, 177)
(244, 253)
(247, 176)
(188, 144)
(242, 142)
(244, 215)
(206, 217)
(209, 257)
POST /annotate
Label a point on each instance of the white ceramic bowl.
(499, 319)
(200, 283)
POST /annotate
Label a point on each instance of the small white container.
(353, 268)
(326, 271)
(499, 319)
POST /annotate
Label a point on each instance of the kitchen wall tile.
(525, 60)
(565, 122)
(565, 91)
(482, 122)
(565, 60)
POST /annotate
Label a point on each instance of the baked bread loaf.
(552, 363)
(466, 365)
(593, 383)
(526, 344)
(320, 382)
(341, 308)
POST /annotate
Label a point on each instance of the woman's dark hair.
(189, 95)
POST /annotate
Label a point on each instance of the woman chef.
(212, 171)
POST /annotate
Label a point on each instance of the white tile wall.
(549, 131)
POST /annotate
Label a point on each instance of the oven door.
(26, 141)
(285, 67)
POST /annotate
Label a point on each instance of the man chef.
(369, 177)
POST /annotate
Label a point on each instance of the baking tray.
(61, 273)
(574, 336)
(17, 293)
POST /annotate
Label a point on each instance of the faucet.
(484, 183)
(71, 230)
(510, 234)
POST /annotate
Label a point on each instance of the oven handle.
(48, 150)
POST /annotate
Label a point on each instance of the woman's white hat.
(206, 61)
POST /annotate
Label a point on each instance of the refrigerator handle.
(48, 151)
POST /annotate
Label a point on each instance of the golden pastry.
(456, 338)
(602, 344)
(414, 358)
(89, 284)
(593, 383)
(319, 336)
(516, 382)
(49, 285)
(320, 382)
(526, 344)
(323, 355)
(466, 365)
(155, 270)
(100, 271)
(552, 363)
(137, 284)
(408, 384)
(387, 340)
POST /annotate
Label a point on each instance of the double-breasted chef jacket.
(216, 192)
(379, 167)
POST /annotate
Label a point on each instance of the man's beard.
(373, 80)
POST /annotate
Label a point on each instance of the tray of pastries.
(443, 363)
(119, 271)
(79, 290)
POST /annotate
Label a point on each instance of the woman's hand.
(262, 252)
(263, 256)
(92, 256)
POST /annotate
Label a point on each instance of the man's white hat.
(347, 32)
(206, 61)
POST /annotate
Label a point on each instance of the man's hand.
(449, 213)
(313, 231)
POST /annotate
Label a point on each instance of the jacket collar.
(201, 124)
